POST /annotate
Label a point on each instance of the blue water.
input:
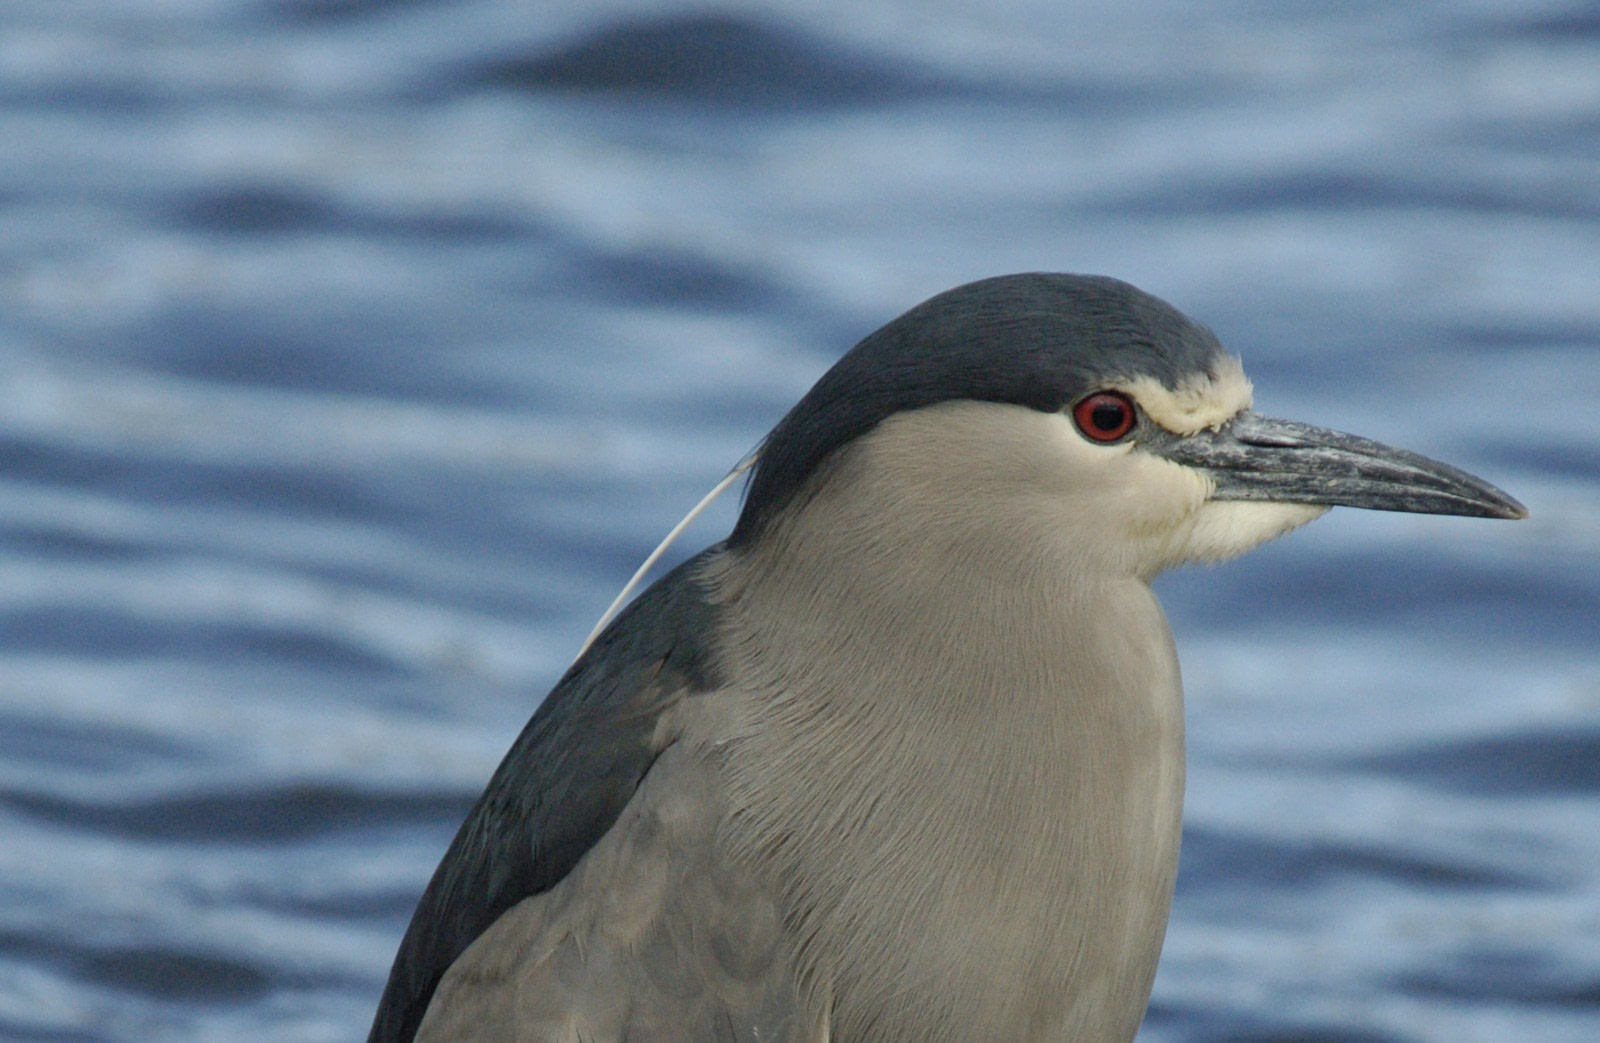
(352, 353)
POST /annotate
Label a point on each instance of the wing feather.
(559, 789)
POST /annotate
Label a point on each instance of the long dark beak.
(1254, 457)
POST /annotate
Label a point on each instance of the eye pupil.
(1106, 416)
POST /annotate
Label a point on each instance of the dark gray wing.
(559, 789)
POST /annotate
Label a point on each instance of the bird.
(901, 758)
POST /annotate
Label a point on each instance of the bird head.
(1083, 407)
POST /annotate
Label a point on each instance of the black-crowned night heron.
(902, 758)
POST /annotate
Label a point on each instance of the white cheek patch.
(1200, 402)
(1226, 529)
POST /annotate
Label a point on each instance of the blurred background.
(352, 353)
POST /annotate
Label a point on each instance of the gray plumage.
(902, 759)
(562, 785)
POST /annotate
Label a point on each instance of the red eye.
(1105, 416)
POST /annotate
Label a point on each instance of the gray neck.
(957, 749)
